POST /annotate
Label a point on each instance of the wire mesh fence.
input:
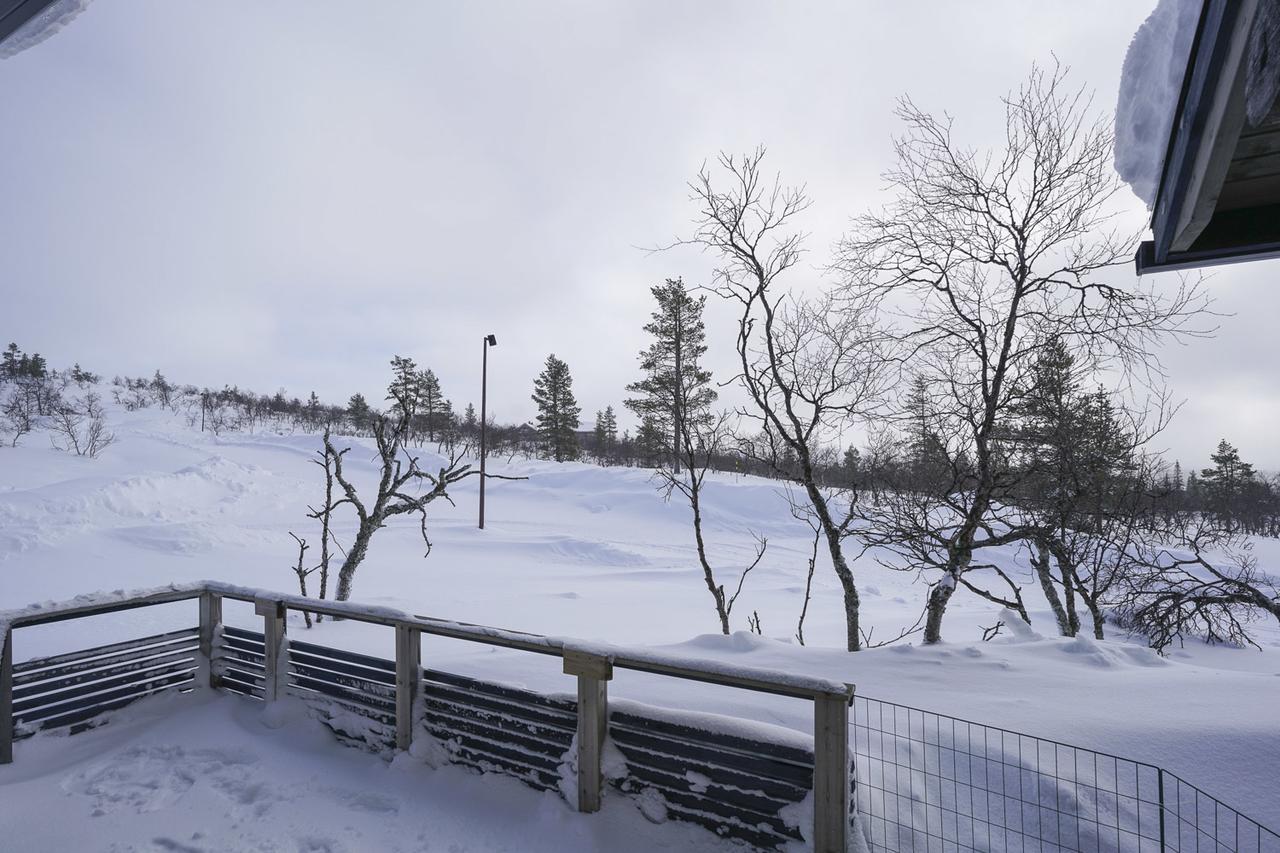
(927, 782)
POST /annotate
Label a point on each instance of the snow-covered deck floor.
(208, 772)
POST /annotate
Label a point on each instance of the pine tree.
(650, 441)
(557, 410)
(850, 464)
(599, 433)
(437, 413)
(9, 363)
(606, 433)
(1228, 484)
(403, 390)
(610, 428)
(358, 409)
(470, 421)
(926, 454)
(675, 391)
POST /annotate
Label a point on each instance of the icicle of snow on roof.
(55, 16)
(1150, 85)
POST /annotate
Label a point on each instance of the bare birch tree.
(401, 481)
(1203, 582)
(983, 258)
(810, 367)
(699, 441)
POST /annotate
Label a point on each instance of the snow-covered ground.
(577, 551)
(214, 773)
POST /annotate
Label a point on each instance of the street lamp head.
(491, 340)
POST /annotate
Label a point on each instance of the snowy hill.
(578, 550)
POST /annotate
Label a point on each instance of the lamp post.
(489, 341)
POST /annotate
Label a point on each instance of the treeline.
(60, 404)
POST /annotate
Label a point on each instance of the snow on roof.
(1150, 86)
(42, 25)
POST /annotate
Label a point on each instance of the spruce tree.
(650, 441)
(9, 363)
(437, 413)
(403, 390)
(926, 454)
(1228, 485)
(606, 433)
(599, 434)
(358, 409)
(675, 391)
(557, 410)
(610, 428)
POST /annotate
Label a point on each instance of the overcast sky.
(286, 194)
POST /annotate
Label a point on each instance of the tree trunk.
(936, 608)
(1098, 620)
(677, 423)
(853, 636)
(355, 555)
(1040, 562)
(717, 592)
(1069, 596)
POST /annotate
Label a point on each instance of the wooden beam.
(594, 673)
(6, 697)
(75, 610)
(831, 780)
(744, 678)
(210, 623)
(408, 677)
(275, 661)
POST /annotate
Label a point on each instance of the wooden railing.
(488, 726)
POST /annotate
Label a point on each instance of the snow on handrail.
(632, 658)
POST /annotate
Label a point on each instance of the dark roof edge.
(1198, 153)
(15, 13)
(1145, 262)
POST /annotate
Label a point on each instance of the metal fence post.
(6, 697)
(408, 677)
(594, 673)
(210, 622)
(273, 641)
(831, 808)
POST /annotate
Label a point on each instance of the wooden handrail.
(674, 666)
(591, 663)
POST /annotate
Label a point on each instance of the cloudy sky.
(286, 194)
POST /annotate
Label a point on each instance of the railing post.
(831, 809)
(408, 677)
(594, 673)
(210, 622)
(273, 641)
(6, 697)
(1160, 791)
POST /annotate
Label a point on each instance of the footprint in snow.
(169, 845)
(140, 780)
(320, 845)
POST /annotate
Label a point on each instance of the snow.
(43, 25)
(209, 772)
(700, 664)
(1150, 86)
(575, 551)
